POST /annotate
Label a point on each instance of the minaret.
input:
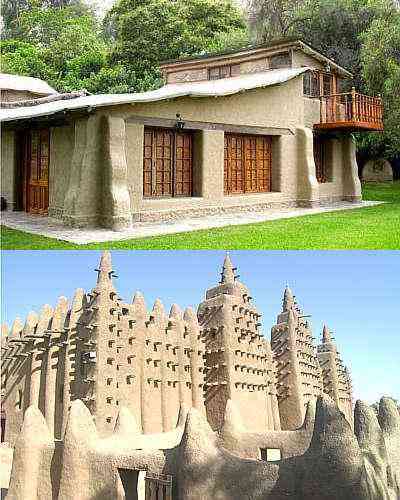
(336, 379)
(298, 372)
(237, 363)
(98, 346)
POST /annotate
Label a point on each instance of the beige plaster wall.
(243, 109)
(61, 147)
(8, 167)
(281, 107)
(300, 59)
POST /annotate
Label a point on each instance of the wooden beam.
(194, 125)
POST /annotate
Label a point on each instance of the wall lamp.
(180, 124)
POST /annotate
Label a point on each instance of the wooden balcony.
(351, 112)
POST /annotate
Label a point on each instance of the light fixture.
(180, 124)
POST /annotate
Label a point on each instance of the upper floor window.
(311, 84)
(219, 72)
(282, 60)
(316, 84)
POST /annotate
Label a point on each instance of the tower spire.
(288, 299)
(104, 272)
(228, 271)
(326, 335)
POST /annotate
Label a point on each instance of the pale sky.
(101, 5)
(356, 293)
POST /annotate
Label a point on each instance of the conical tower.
(336, 378)
(298, 372)
(237, 364)
(98, 347)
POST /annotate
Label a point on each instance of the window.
(167, 163)
(327, 84)
(219, 72)
(320, 159)
(247, 164)
(316, 84)
(282, 60)
(311, 84)
(270, 454)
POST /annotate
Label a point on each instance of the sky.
(356, 293)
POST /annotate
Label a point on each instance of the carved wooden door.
(248, 163)
(36, 144)
(167, 163)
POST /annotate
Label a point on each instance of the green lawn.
(366, 228)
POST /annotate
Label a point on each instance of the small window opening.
(270, 454)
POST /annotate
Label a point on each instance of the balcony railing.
(350, 111)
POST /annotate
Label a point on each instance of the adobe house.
(261, 127)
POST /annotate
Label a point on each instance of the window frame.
(220, 75)
(314, 83)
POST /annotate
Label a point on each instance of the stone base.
(308, 203)
(352, 199)
(177, 214)
(81, 222)
(116, 223)
(56, 212)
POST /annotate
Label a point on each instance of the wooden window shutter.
(167, 163)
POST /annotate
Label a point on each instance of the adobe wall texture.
(8, 167)
(110, 353)
(362, 466)
(238, 360)
(101, 384)
(61, 148)
(106, 353)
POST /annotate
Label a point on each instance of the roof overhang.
(213, 88)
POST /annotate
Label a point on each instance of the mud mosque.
(105, 399)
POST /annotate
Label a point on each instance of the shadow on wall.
(338, 464)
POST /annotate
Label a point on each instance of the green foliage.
(61, 41)
(23, 58)
(147, 32)
(271, 19)
(380, 56)
(13, 10)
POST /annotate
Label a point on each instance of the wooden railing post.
(353, 103)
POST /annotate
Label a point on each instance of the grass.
(370, 228)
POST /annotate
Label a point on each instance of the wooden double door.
(167, 163)
(34, 151)
(248, 163)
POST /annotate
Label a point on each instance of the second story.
(326, 85)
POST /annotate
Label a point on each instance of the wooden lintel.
(193, 125)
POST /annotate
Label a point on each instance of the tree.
(380, 59)
(13, 9)
(146, 32)
(23, 58)
(271, 19)
(61, 46)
